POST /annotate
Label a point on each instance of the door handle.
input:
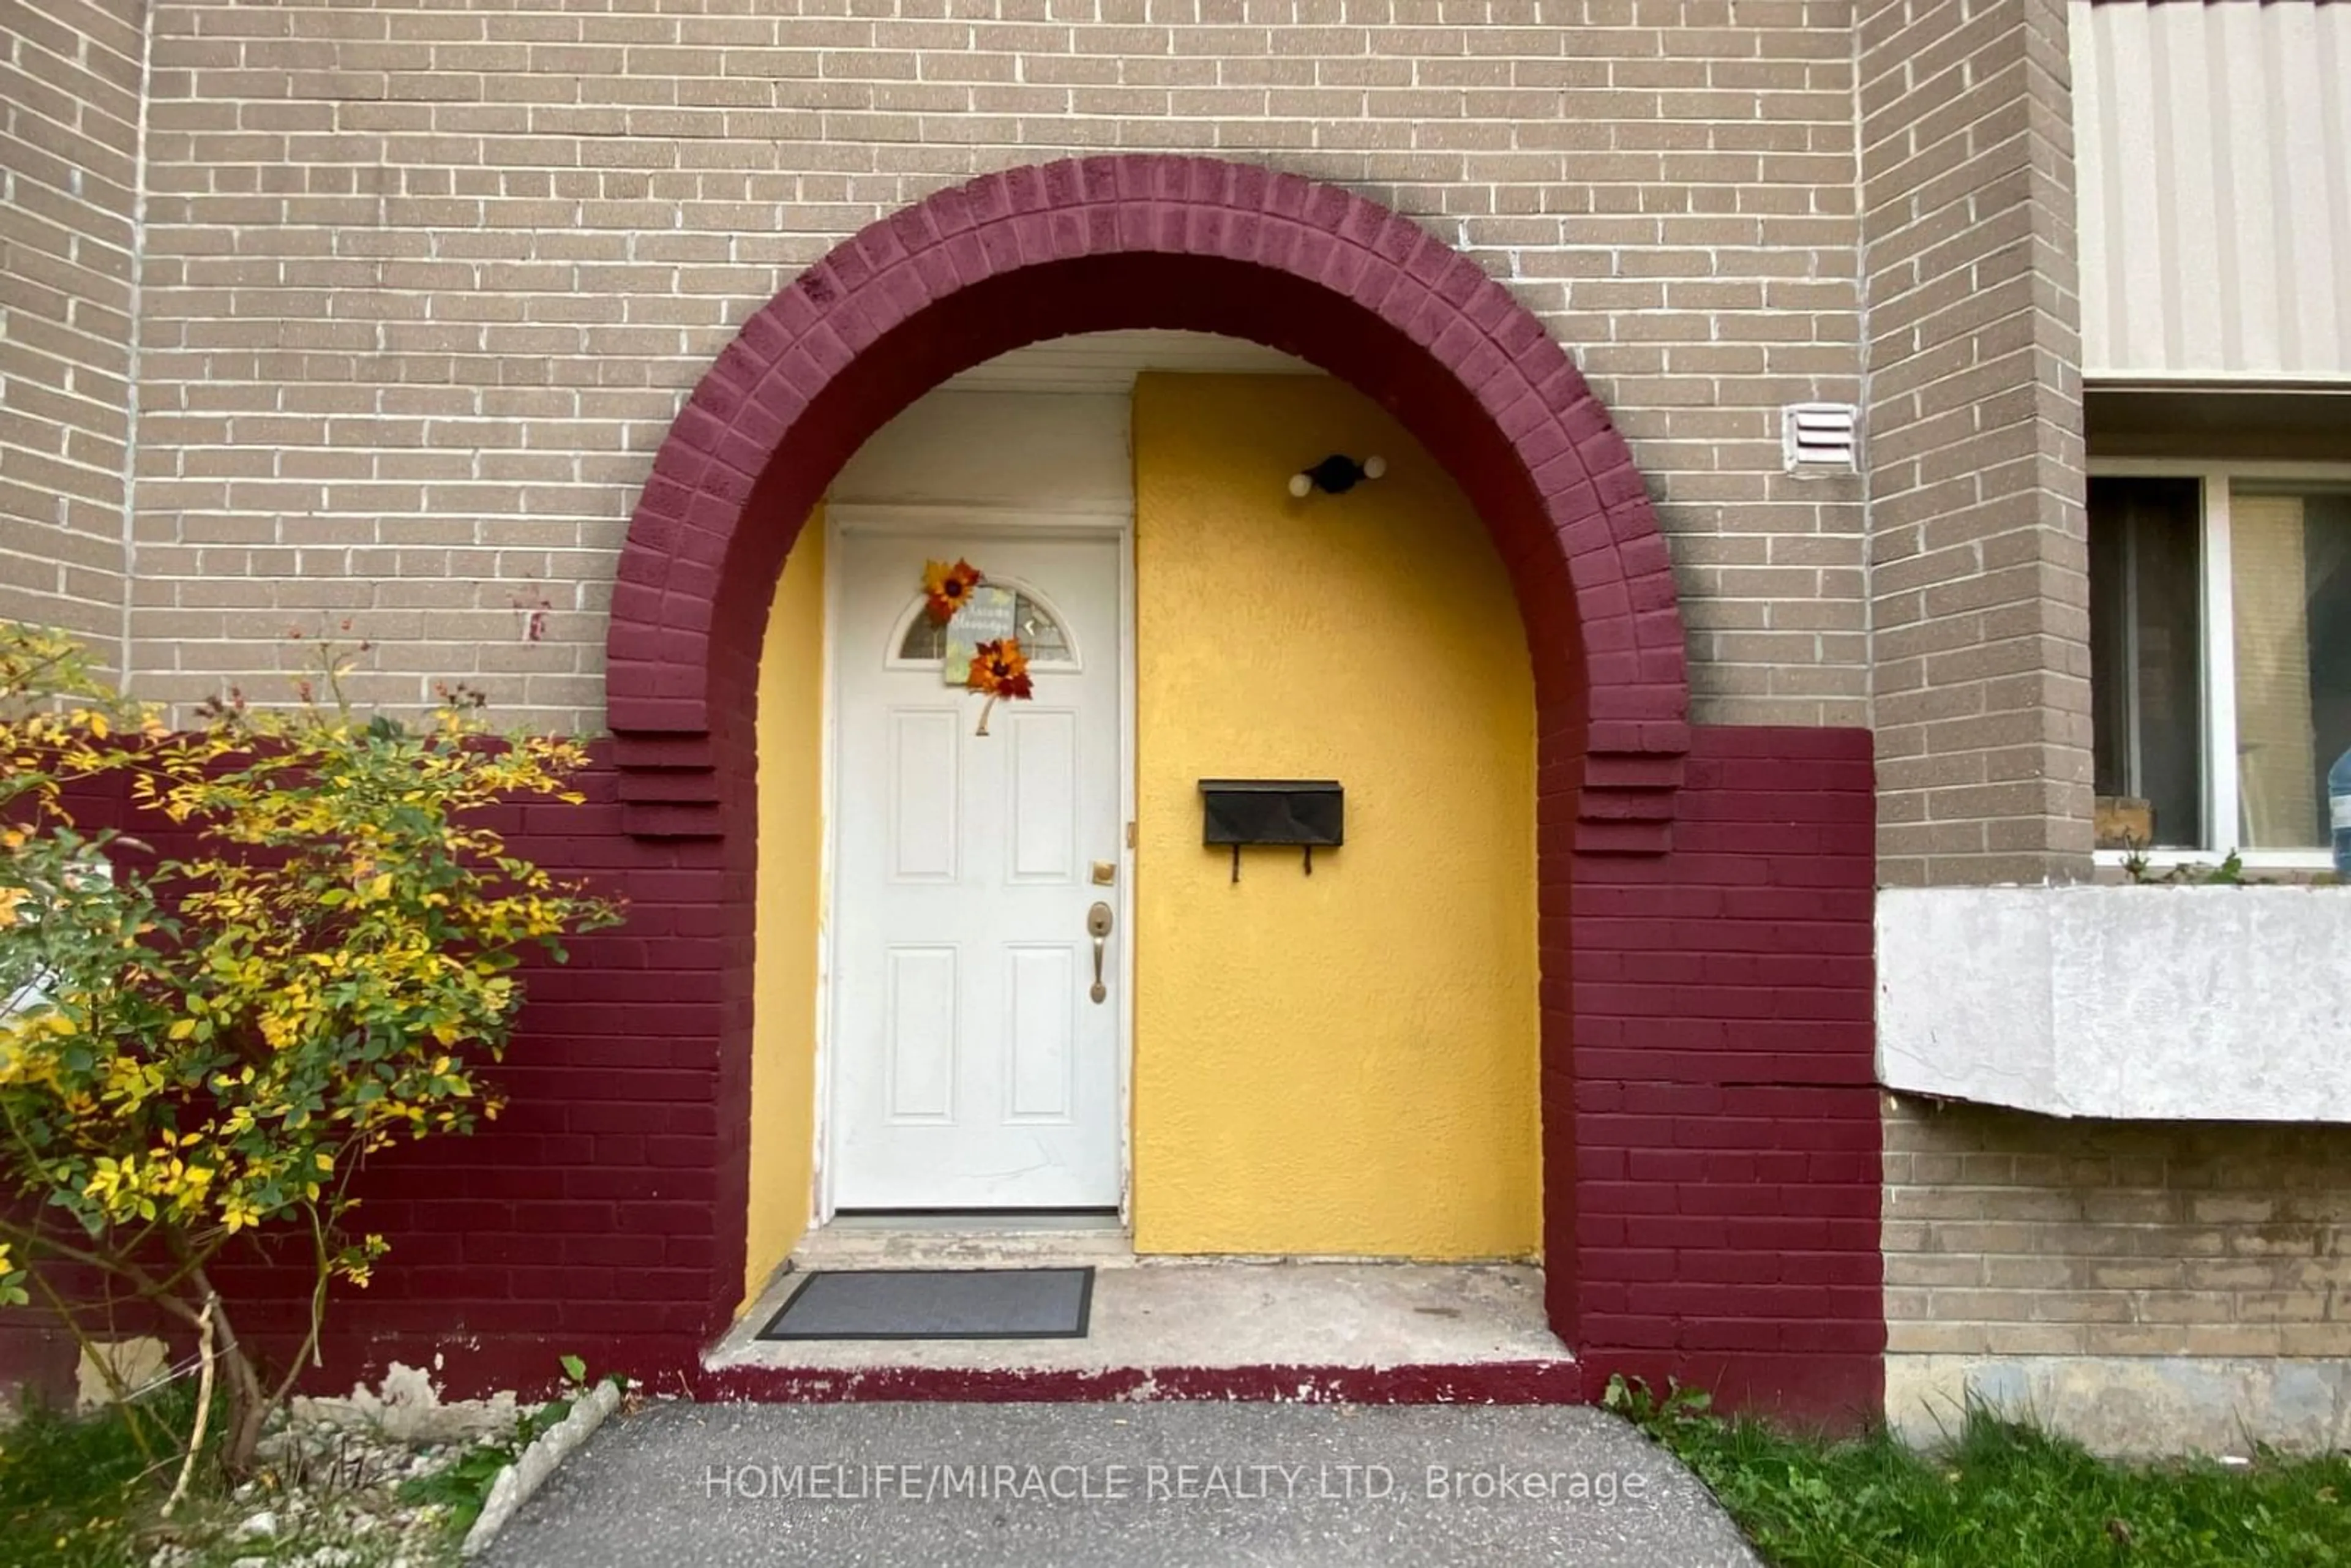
(1098, 924)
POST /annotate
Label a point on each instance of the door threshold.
(964, 1240)
(997, 1220)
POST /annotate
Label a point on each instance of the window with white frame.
(2221, 655)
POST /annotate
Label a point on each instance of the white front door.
(974, 1064)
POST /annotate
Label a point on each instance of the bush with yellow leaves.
(197, 1046)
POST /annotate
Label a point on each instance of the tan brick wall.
(427, 281)
(1979, 575)
(70, 109)
(2009, 1234)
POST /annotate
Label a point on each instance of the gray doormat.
(937, 1304)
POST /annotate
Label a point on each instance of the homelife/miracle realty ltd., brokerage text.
(931, 1482)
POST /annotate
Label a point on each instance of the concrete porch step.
(1178, 1328)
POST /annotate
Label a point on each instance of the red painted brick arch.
(1167, 242)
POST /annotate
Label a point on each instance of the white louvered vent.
(1820, 438)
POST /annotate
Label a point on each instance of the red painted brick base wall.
(1717, 1109)
(603, 1213)
(1721, 1096)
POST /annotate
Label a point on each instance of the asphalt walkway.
(1137, 1486)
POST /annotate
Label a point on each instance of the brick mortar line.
(1862, 400)
(1031, 44)
(1475, 251)
(196, 200)
(63, 393)
(720, 112)
(1060, 117)
(97, 241)
(1712, 315)
(2166, 1185)
(1960, 199)
(197, 9)
(2030, 308)
(1218, 58)
(1957, 71)
(130, 539)
(2068, 1225)
(1919, 219)
(89, 41)
(74, 464)
(18, 105)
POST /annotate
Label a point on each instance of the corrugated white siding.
(2212, 147)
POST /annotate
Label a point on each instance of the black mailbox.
(1310, 813)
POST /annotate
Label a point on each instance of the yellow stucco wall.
(1345, 1062)
(791, 828)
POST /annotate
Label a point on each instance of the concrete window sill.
(2132, 1003)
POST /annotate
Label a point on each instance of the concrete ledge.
(514, 1485)
(2132, 1405)
(1189, 1329)
(1559, 1382)
(2152, 1003)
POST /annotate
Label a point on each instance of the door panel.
(971, 1067)
(923, 794)
(1042, 1033)
(921, 1024)
(1045, 789)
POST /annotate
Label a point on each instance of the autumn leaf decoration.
(1001, 670)
(947, 589)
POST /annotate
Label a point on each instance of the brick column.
(1979, 575)
(70, 179)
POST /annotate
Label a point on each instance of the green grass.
(1999, 1494)
(88, 1491)
(78, 1493)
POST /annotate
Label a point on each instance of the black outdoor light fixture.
(1336, 475)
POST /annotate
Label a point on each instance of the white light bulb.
(1300, 485)
(1374, 466)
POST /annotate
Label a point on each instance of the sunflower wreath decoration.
(999, 666)
(1001, 670)
(947, 589)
